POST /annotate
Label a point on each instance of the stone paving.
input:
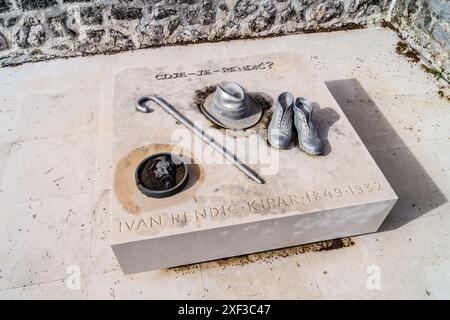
(55, 178)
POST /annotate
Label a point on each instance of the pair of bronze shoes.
(298, 113)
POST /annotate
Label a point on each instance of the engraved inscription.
(271, 203)
(299, 201)
(207, 213)
(179, 218)
(137, 224)
(207, 72)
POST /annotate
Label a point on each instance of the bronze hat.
(231, 107)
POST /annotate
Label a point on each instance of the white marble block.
(222, 213)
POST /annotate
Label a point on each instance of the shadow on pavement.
(416, 190)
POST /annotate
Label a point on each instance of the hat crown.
(231, 107)
(230, 100)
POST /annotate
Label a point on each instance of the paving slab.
(400, 89)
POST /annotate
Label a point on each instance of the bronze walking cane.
(140, 106)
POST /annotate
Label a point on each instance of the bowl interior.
(146, 182)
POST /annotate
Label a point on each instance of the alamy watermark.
(374, 280)
(251, 149)
(73, 281)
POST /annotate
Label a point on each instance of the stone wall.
(425, 24)
(32, 30)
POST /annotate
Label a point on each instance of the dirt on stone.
(389, 25)
(444, 95)
(345, 27)
(267, 257)
(403, 49)
(199, 96)
(131, 198)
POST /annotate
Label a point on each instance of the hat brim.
(252, 117)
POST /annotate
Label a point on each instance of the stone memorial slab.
(222, 213)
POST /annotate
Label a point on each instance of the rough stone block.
(36, 4)
(3, 42)
(31, 33)
(75, 1)
(5, 6)
(126, 13)
(91, 15)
